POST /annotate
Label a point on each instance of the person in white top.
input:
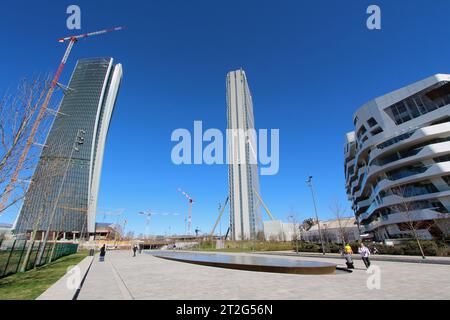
(365, 254)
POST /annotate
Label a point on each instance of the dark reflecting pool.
(249, 263)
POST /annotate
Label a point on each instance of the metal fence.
(13, 254)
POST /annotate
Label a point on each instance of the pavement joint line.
(121, 283)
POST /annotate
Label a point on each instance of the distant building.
(107, 231)
(245, 215)
(84, 116)
(277, 230)
(333, 231)
(397, 162)
(5, 230)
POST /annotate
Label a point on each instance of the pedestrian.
(348, 256)
(365, 254)
(102, 253)
(134, 250)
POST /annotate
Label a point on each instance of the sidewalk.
(373, 257)
(122, 277)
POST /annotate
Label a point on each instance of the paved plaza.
(122, 276)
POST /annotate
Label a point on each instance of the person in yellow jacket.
(348, 256)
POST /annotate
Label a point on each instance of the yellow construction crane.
(264, 205)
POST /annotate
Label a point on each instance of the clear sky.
(310, 65)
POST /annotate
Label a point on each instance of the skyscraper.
(245, 216)
(64, 189)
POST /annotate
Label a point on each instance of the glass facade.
(71, 151)
(421, 103)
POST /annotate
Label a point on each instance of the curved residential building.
(397, 162)
(64, 189)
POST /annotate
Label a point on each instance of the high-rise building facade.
(243, 180)
(64, 189)
(397, 162)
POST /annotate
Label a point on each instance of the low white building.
(333, 231)
(277, 230)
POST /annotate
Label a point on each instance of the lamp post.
(310, 184)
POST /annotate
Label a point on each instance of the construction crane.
(220, 216)
(190, 202)
(116, 213)
(43, 109)
(151, 213)
(264, 205)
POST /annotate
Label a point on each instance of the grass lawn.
(31, 284)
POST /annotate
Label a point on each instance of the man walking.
(134, 250)
(365, 253)
(102, 253)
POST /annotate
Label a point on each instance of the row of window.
(420, 104)
(407, 152)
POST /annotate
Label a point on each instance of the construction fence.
(13, 254)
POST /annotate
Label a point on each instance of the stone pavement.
(122, 276)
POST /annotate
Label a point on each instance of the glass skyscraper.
(71, 160)
(243, 179)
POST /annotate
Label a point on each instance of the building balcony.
(395, 218)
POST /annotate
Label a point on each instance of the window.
(361, 132)
(372, 122)
(442, 159)
(395, 140)
(421, 103)
(405, 172)
(376, 131)
(446, 179)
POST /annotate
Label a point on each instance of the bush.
(334, 248)
(430, 248)
(309, 247)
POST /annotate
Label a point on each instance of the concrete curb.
(61, 289)
(406, 259)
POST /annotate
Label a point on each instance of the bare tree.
(408, 209)
(339, 213)
(17, 115)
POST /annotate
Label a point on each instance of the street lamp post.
(310, 184)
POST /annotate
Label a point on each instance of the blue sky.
(310, 65)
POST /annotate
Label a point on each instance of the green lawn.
(31, 284)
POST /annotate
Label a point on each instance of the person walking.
(365, 254)
(102, 253)
(134, 250)
(348, 256)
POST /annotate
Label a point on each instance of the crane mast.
(190, 202)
